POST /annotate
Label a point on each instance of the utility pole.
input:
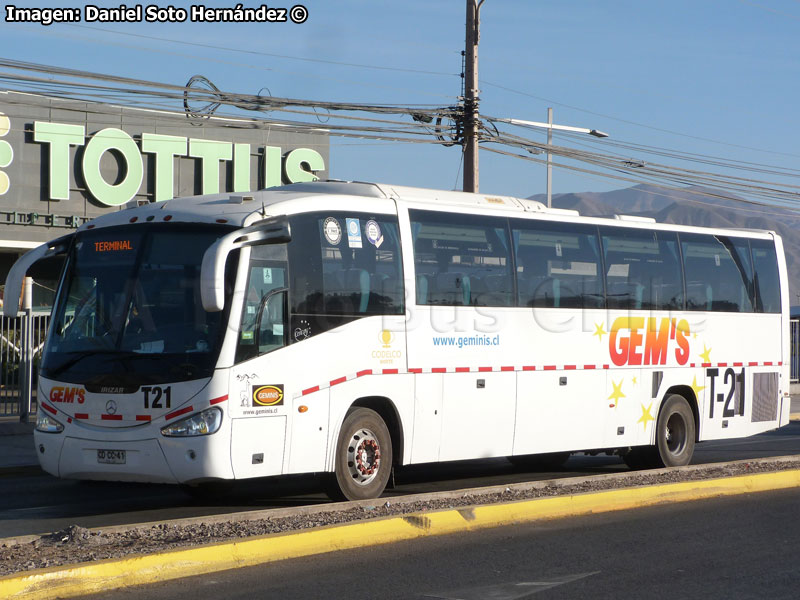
(471, 98)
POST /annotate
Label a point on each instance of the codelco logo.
(267, 395)
(68, 395)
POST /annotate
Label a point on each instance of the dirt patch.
(77, 544)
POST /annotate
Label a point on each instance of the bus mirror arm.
(16, 276)
(275, 230)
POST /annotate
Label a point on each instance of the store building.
(63, 162)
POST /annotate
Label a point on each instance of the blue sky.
(711, 77)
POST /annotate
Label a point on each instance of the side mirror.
(16, 276)
(275, 230)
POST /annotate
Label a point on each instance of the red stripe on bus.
(705, 365)
(506, 368)
(589, 367)
(338, 381)
(768, 364)
(111, 417)
(529, 368)
(693, 365)
(142, 417)
(81, 415)
(438, 370)
(179, 412)
(219, 400)
(390, 371)
(484, 369)
(369, 372)
(310, 390)
(738, 364)
(549, 367)
(415, 370)
(780, 364)
(462, 369)
(752, 364)
(49, 408)
(722, 364)
(606, 366)
(570, 367)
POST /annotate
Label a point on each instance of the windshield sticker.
(373, 231)
(267, 275)
(353, 233)
(332, 231)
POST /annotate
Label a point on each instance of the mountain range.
(693, 206)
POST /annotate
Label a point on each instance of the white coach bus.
(351, 327)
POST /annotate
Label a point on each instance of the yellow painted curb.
(794, 417)
(75, 580)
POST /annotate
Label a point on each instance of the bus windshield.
(129, 309)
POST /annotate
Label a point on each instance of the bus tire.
(675, 432)
(549, 461)
(363, 460)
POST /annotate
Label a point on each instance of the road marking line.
(93, 577)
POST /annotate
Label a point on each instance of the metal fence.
(795, 336)
(21, 342)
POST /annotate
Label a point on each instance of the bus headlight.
(203, 423)
(47, 424)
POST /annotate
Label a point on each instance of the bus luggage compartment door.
(257, 446)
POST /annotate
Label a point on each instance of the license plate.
(111, 457)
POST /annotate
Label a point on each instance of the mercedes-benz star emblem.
(111, 407)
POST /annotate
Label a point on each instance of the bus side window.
(766, 280)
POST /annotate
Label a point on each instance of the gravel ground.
(76, 544)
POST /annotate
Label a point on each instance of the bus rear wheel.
(675, 435)
(363, 459)
(676, 432)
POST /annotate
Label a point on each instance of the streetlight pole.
(550, 127)
(549, 157)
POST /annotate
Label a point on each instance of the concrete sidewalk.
(16, 444)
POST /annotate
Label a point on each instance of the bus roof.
(244, 208)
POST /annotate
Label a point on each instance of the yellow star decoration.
(617, 394)
(697, 388)
(600, 330)
(635, 381)
(646, 416)
(706, 354)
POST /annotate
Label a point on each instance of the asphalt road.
(736, 547)
(39, 503)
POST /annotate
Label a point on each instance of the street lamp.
(550, 127)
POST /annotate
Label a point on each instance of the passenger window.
(718, 273)
(461, 260)
(643, 269)
(344, 264)
(558, 264)
(766, 280)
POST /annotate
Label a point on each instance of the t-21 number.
(734, 382)
(157, 397)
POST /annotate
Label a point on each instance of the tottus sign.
(62, 160)
(297, 165)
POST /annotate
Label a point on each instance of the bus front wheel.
(363, 456)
